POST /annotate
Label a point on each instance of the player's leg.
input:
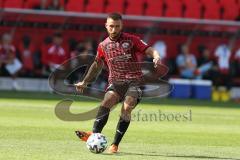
(125, 118)
(132, 98)
(111, 98)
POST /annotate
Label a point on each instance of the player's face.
(113, 27)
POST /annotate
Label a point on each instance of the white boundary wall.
(25, 84)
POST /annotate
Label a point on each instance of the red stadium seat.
(230, 9)
(212, 9)
(228, 2)
(95, 6)
(13, 4)
(193, 9)
(174, 8)
(115, 6)
(134, 8)
(154, 8)
(32, 3)
(75, 7)
(35, 3)
(1, 3)
(61, 3)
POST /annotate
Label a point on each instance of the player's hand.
(80, 86)
(156, 62)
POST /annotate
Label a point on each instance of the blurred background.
(198, 41)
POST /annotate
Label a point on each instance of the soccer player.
(119, 52)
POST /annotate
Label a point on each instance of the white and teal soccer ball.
(96, 143)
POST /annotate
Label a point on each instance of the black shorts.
(124, 89)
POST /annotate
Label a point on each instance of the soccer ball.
(96, 143)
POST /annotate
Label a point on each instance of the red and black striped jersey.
(120, 55)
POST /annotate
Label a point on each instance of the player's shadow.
(172, 156)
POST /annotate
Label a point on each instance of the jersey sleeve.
(139, 44)
(100, 54)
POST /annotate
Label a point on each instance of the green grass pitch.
(29, 130)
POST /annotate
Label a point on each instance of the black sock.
(121, 129)
(101, 119)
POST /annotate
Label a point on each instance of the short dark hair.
(115, 16)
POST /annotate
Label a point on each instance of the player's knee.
(129, 104)
(109, 101)
(130, 101)
(127, 108)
